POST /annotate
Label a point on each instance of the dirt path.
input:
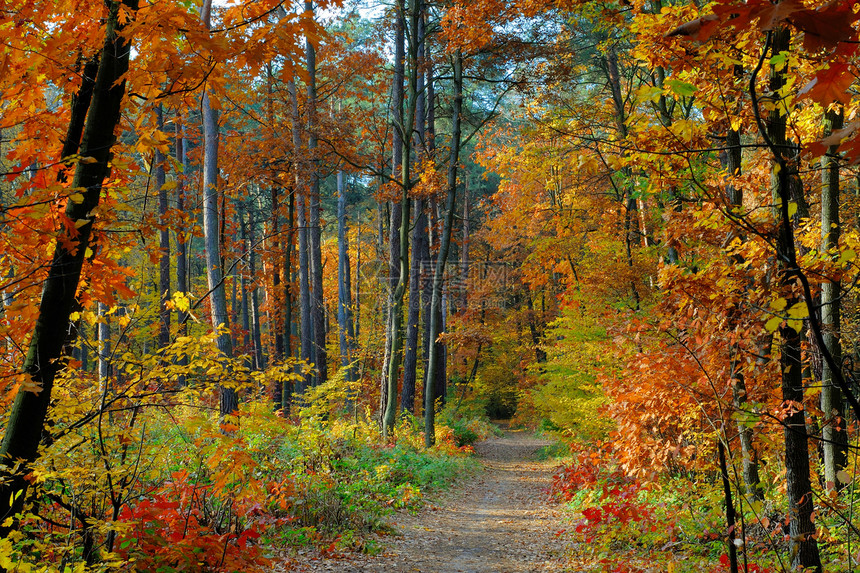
(497, 522)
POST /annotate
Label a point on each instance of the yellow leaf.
(779, 304)
(736, 123)
(799, 310)
(88, 160)
(795, 325)
(76, 198)
(847, 255)
(772, 324)
(792, 209)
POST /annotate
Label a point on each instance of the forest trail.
(499, 521)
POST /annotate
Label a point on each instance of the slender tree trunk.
(344, 307)
(243, 287)
(419, 237)
(410, 356)
(752, 480)
(804, 546)
(406, 127)
(464, 251)
(318, 301)
(164, 240)
(181, 234)
(835, 434)
(357, 299)
(631, 236)
(395, 209)
(27, 414)
(287, 385)
(103, 329)
(444, 246)
(229, 400)
(305, 319)
(432, 227)
(256, 331)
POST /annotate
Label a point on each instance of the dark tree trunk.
(344, 308)
(44, 357)
(318, 302)
(256, 332)
(228, 398)
(243, 287)
(835, 433)
(305, 320)
(752, 480)
(287, 385)
(430, 393)
(419, 240)
(394, 208)
(406, 126)
(804, 546)
(164, 240)
(410, 356)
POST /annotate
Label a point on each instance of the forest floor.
(501, 520)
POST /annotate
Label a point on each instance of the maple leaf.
(829, 85)
(826, 26)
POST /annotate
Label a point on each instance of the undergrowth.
(182, 491)
(623, 524)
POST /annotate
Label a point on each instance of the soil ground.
(499, 521)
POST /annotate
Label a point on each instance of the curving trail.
(499, 521)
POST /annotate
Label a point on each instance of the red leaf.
(827, 26)
(829, 85)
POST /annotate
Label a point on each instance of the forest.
(272, 272)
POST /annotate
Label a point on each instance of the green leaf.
(779, 60)
(683, 89)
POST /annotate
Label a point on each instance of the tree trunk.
(406, 127)
(44, 357)
(410, 356)
(752, 480)
(247, 346)
(301, 223)
(103, 329)
(394, 209)
(229, 400)
(164, 240)
(287, 385)
(256, 333)
(344, 307)
(444, 246)
(631, 237)
(419, 240)
(318, 302)
(181, 235)
(464, 251)
(835, 434)
(804, 546)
